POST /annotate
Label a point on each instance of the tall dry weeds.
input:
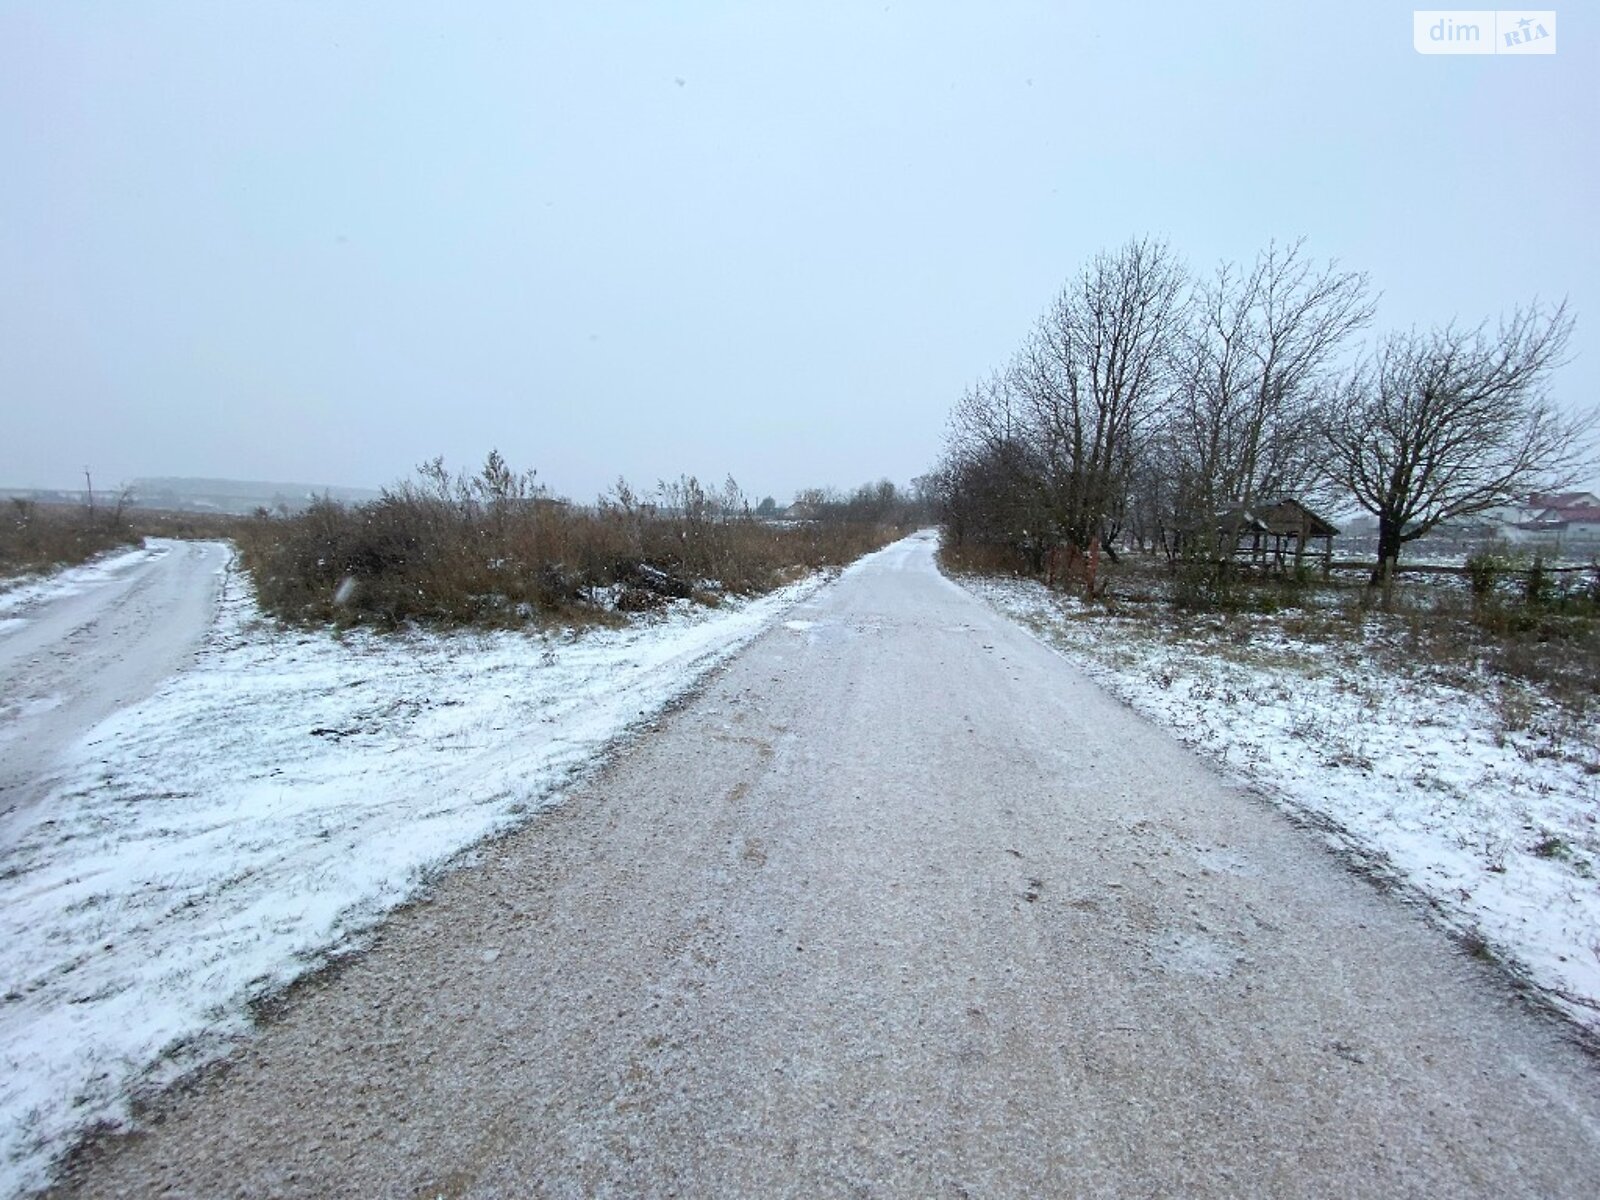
(494, 549)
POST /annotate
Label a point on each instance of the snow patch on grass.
(1485, 800)
(265, 810)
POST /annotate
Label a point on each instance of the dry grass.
(487, 549)
(491, 550)
(187, 525)
(1528, 637)
(43, 537)
(38, 537)
(981, 558)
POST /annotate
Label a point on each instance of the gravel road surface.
(69, 661)
(899, 905)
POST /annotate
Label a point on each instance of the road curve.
(70, 660)
(900, 905)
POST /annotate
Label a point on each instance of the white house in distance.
(1552, 519)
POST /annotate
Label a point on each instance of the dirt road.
(68, 661)
(899, 905)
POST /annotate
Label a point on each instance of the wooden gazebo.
(1272, 535)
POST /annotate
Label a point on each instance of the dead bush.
(42, 537)
(494, 549)
(983, 558)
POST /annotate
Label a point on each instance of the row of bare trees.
(1147, 400)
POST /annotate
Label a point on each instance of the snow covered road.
(1414, 772)
(201, 848)
(900, 904)
(77, 646)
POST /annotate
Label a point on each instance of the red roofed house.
(1562, 517)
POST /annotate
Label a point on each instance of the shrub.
(1483, 573)
(40, 537)
(1201, 585)
(1536, 584)
(494, 548)
(983, 558)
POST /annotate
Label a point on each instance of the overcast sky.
(322, 243)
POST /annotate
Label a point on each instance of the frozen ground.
(24, 591)
(1488, 813)
(901, 904)
(207, 845)
(78, 645)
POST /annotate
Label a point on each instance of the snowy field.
(1483, 800)
(260, 815)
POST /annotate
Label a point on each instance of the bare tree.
(990, 483)
(988, 416)
(1450, 423)
(1093, 380)
(125, 500)
(1257, 364)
